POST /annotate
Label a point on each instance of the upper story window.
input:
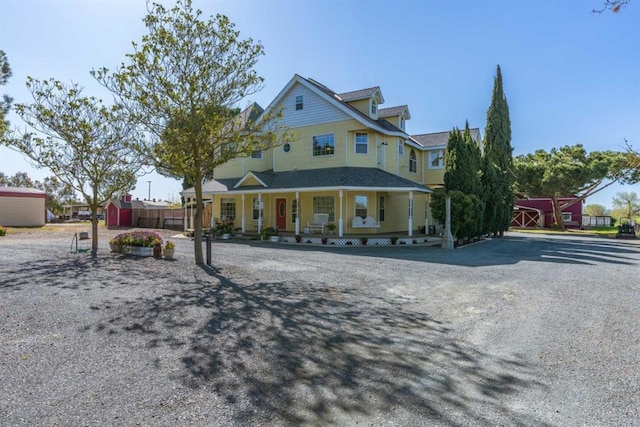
(413, 161)
(323, 145)
(436, 159)
(362, 143)
(400, 148)
(374, 107)
(256, 154)
(286, 147)
(402, 123)
(299, 102)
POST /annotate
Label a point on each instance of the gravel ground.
(525, 330)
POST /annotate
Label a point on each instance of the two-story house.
(353, 165)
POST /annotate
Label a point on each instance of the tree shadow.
(503, 251)
(313, 353)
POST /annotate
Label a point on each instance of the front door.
(281, 214)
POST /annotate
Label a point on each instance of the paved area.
(525, 330)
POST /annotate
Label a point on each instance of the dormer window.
(299, 102)
(374, 107)
(402, 123)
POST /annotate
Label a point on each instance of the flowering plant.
(146, 239)
(3, 230)
(169, 245)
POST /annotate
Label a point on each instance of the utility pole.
(149, 197)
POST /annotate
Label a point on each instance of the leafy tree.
(570, 170)
(465, 209)
(5, 102)
(595, 210)
(497, 171)
(20, 179)
(85, 144)
(628, 203)
(455, 163)
(612, 5)
(182, 84)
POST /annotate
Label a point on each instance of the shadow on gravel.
(503, 251)
(77, 272)
(312, 353)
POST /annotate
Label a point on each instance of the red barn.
(119, 212)
(538, 212)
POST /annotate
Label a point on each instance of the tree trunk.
(197, 223)
(557, 213)
(93, 207)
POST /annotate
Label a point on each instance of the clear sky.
(570, 76)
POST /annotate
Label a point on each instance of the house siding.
(315, 109)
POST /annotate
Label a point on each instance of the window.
(374, 107)
(256, 154)
(324, 204)
(566, 216)
(362, 143)
(413, 161)
(402, 123)
(323, 145)
(436, 159)
(381, 208)
(361, 206)
(294, 210)
(299, 103)
(227, 209)
(400, 148)
(256, 209)
(286, 147)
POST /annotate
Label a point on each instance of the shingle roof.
(359, 94)
(392, 111)
(440, 138)
(21, 190)
(341, 177)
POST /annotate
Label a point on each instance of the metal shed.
(22, 207)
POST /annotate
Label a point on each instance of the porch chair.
(320, 220)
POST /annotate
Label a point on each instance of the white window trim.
(323, 155)
(413, 160)
(373, 107)
(259, 156)
(400, 148)
(301, 103)
(355, 143)
(430, 165)
(355, 204)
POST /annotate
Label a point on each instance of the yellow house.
(353, 168)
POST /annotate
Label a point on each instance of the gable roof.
(394, 111)
(437, 139)
(329, 95)
(340, 178)
(356, 95)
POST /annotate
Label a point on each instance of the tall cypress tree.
(474, 181)
(498, 178)
(455, 162)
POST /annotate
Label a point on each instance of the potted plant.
(224, 231)
(3, 230)
(169, 249)
(394, 239)
(364, 240)
(331, 228)
(139, 243)
(298, 238)
(269, 233)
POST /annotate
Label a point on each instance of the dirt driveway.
(524, 330)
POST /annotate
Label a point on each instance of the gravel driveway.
(525, 330)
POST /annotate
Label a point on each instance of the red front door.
(281, 214)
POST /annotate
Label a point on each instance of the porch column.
(426, 214)
(410, 213)
(243, 223)
(211, 221)
(340, 221)
(260, 207)
(191, 218)
(297, 212)
(184, 217)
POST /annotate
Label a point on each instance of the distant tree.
(58, 194)
(568, 171)
(595, 210)
(612, 5)
(20, 179)
(497, 171)
(628, 203)
(86, 145)
(182, 84)
(5, 102)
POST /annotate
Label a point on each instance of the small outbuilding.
(22, 207)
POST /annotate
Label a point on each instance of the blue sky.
(570, 76)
